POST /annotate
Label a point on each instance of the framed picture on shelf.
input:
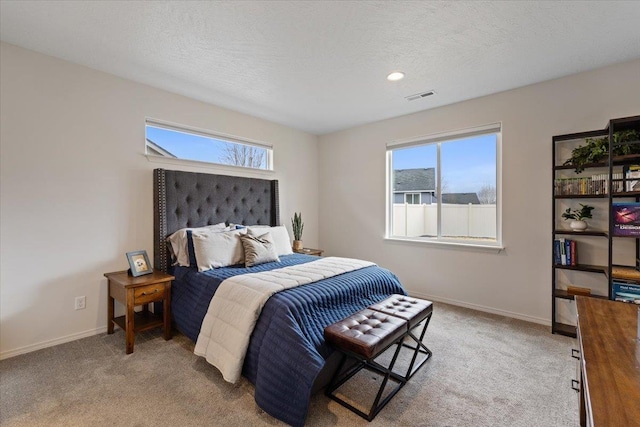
(139, 263)
(626, 219)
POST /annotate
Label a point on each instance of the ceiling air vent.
(420, 95)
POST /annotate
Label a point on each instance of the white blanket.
(237, 304)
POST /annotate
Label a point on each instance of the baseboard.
(51, 343)
(100, 330)
(477, 307)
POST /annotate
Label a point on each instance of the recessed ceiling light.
(395, 76)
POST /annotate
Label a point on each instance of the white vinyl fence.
(457, 220)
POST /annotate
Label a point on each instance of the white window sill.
(209, 166)
(496, 247)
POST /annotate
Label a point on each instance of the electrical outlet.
(81, 303)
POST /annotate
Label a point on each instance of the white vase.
(578, 225)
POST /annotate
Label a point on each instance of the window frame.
(413, 198)
(494, 128)
(233, 139)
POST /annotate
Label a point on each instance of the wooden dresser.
(610, 363)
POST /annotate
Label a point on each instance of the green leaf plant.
(578, 214)
(297, 225)
(597, 149)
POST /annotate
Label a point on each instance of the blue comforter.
(287, 348)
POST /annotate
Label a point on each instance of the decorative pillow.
(217, 249)
(179, 243)
(192, 253)
(280, 238)
(258, 249)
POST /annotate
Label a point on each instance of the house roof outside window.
(460, 198)
(423, 180)
(414, 180)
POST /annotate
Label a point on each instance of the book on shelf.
(573, 249)
(626, 219)
(556, 252)
(595, 185)
(632, 177)
(592, 185)
(565, 251)
(626, 292)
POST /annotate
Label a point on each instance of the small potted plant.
(297, 225)
(578, 216)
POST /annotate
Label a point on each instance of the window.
(170, 141)
(446, 188)
(412, 198)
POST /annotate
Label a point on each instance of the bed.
(287, 359)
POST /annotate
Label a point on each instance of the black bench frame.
(419, 347)
(370, 364)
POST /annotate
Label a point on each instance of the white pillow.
(178, 241)
(215, 249)
(280, 237)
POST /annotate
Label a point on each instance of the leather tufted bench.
(366, 332)
(364, 336)
(414, 311)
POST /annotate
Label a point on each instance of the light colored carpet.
(486, 370)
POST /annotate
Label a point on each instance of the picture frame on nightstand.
(139, 263)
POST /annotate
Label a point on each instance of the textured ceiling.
(321, 66)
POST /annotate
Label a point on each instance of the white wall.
(517, 281)
(76, 189)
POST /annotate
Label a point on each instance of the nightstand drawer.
(149, 293)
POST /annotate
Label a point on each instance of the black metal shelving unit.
(612, 164)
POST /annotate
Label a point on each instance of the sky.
(467, 164)
(189, 146)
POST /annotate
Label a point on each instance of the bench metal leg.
(373, 366)
(419, 348)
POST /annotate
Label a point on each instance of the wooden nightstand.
(133, 291)
(309, 251)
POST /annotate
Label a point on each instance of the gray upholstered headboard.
(188, 199)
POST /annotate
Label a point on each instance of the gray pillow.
(258, 249)
(280, 237)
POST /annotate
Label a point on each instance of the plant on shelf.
(597, 149)
(297, 225)
(578, 216)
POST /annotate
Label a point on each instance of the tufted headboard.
(189, 199)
